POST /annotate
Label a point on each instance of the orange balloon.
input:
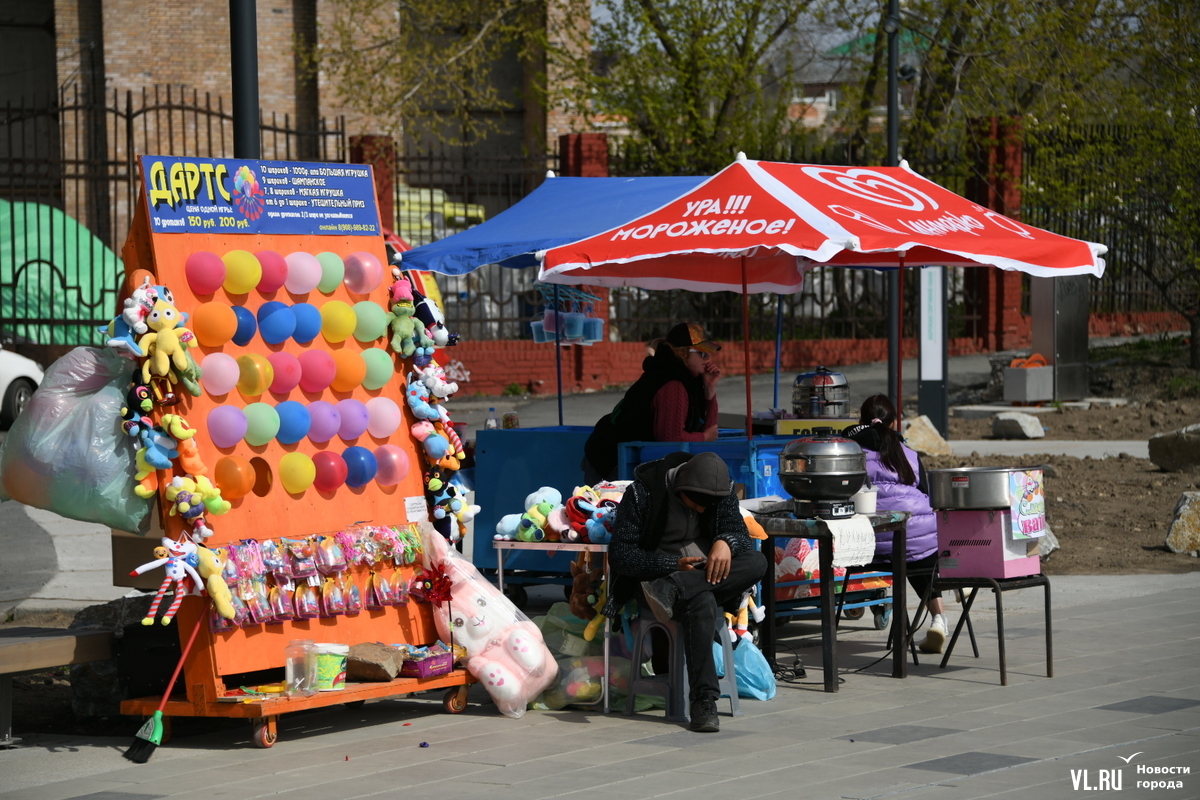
(350, 369)
(214, 323)
(234, 476)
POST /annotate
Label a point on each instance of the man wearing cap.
(679, 544)
(675, 400)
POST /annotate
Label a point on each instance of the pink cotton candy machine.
(990, 520)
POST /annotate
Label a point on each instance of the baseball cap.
(703, 473)
(690, 334)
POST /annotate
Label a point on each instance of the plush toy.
(454, 444)
(157, 451)
(434, 321)
(599, 527)
(558, 527)
(585, 580)
(434, 378)
(739, 624)
(504, 650)
(167, 342)
(400, 290)
(131, 321)
(211, 569)
(419, 403)
(404, 328)
(444, 502)
(180, 560)
(506, 528)
(437, 447)
(532, 527)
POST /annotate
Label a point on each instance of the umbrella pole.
(558, 353)
(746, 349)
(778, 346)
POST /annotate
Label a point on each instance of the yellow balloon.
(297, 472)
(242, 271)
(338, 321)
(255, 374)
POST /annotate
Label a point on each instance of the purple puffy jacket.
(896, 496)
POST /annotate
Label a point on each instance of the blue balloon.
(308, 322)
(360, 466)
(247, 326)
(276, 322)
(294, 421)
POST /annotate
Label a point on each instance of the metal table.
(504, 547)
(777, 521)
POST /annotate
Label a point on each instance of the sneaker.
(661, 596)
(704, 716)
(935, 637)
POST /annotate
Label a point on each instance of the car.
(19, 378)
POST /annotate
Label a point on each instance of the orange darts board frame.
(200, 191)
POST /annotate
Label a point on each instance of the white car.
(19, 377)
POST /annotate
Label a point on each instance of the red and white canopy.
(786, 218)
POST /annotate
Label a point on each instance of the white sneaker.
(935, 637)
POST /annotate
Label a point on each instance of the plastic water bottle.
(493, 422)
(301, 667)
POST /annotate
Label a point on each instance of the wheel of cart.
(266, 731)
(882, 611)
(455, 700)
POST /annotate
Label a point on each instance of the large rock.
(1184, 534)
(921, 435)
(1017, 425)
(373, 662)
(1176, 451)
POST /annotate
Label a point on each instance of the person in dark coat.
(895, 470)
(679, 544)
(675, 400)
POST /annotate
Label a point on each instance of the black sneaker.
(661, 596)
(704, 716)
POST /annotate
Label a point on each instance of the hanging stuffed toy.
(166, 344)
(180, 560)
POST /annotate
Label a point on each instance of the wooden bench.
(34, 649)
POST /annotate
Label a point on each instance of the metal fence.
(69, 182)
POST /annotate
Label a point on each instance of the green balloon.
(380, 369)
(262, 423)
(372, 321)
(333, 270)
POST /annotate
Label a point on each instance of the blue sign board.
(215, 195)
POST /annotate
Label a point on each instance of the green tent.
(58, 282)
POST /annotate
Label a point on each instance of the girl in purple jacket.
(896, 472)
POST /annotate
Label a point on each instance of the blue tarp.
(560, 211)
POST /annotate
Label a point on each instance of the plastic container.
(331, 666)
(512, 420)
(864, 500)
(300, 667)
(492, 422)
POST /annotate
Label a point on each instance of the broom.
(150, 735)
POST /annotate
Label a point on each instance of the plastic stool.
(673, 685)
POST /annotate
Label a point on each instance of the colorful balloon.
(247, 326)
(213, 323)
(354, 419)
(333, 270)
(234, 476)
(296, 472)
(316, 370)
(330, 471)
(257, 374)
(360, 466)
(274, 270)
(294, 421)
(276, 322)
(350, 370)
(308, 322)
(242, 271)
(304, 273)
(205, 272)
(287, 372)
(364, 273)
(392, 465)
(337, 321)
(370, 321)
(380, 369)
(262, 423)
(226, 426)
(325, 421)
(383, 417)
(220, 373)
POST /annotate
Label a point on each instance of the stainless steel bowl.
(977, 487)
(822, 468)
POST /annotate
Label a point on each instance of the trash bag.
(581, 681)
(563, 633)
(755, 679)
(66, 452)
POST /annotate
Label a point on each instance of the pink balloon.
(364, 273)
(220, 373)
(317, 369)
(392, 465)
(226, 425)
(354, 419)
(205, 272)
(274, 270)
(304, 273)
(325, 421)
(287, 372)
(383, 417)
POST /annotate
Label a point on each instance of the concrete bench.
(34, 649)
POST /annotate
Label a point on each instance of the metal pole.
(558, 351)
(746, 350)
(778, 346)
(243, 50)
(892, 27)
